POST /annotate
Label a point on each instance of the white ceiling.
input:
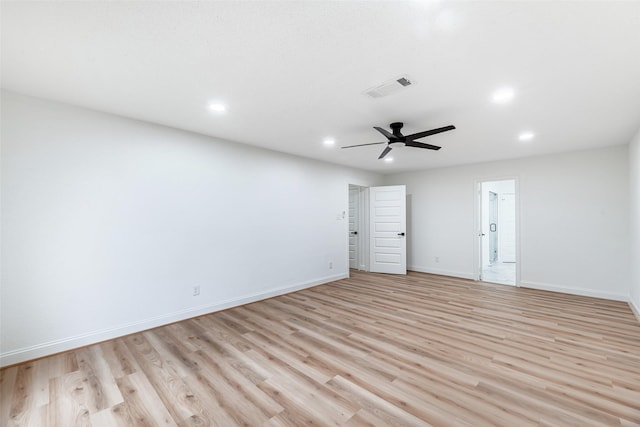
(293, 73)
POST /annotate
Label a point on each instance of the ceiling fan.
(396, 138)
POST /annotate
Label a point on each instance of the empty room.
(293, 213)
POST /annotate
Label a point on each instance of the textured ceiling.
(293, 73)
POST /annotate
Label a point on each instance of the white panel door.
(388, 245)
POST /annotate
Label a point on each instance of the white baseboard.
(459, 274)
(574, 291)
(635, 308)
(89, 338)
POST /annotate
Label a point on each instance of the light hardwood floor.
(370, 350)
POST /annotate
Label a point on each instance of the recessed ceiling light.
(503, 95)
(526, 136)
(388, 159)
(329, 141)
(217, 107)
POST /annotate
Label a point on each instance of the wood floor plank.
(183, 404)
(24, 395)
(142, 403)
(70, 400)
(104, 391)
(7, 383)
(120, 359)
(116, 416)
(380, 408)
(371, 350)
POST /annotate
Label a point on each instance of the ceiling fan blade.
(421, 145)
(385, 152)
(429, 132)
(386, 133)
(362, 145)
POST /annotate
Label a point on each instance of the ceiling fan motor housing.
(395, 127)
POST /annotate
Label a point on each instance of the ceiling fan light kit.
(396, 138)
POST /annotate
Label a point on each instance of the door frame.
(477, 211)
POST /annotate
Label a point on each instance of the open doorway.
(498, 231)
(358, 227)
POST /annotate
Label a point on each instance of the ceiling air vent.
(389, 87)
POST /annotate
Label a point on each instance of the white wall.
(634, 197)
(574, 216)
(108, 223)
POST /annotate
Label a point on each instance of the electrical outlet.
(196, 290)
(437, 259)
(330, 265)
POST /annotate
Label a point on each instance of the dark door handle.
(400, 234)
(354, 232)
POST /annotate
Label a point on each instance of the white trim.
(346, 227)
(635, 308)
(365, 227)
(450, 273)
(574, 291)
(89, 338)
